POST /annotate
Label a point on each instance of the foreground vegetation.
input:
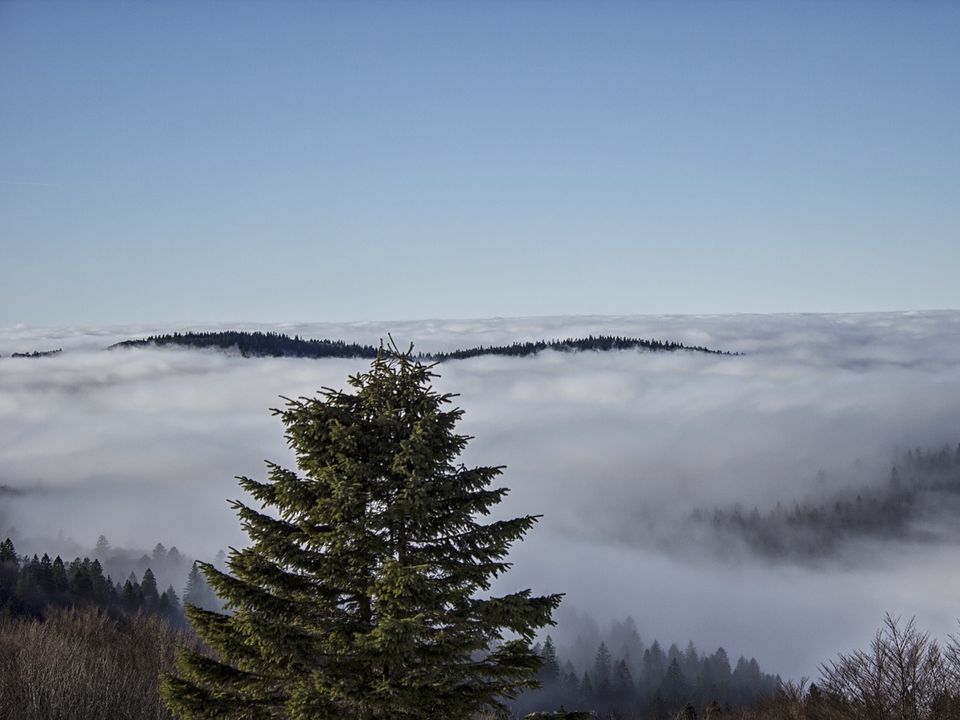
(83, 664)
(364, 593)
(905, 674)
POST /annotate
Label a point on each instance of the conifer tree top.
(364, 592)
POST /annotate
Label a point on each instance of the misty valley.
(474, 360)
(759, 531)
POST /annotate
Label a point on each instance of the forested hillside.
(922, 485)
(35, 586)
(36, 353)
(272, 344)
(256, 344)
(619, 675)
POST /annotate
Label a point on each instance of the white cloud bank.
(142, 445)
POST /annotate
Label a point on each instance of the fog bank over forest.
(616, 450)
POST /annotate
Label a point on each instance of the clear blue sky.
(273, 161)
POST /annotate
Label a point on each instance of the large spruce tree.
(364, 591)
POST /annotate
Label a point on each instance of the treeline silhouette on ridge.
(274, 344)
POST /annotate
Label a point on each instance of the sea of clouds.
(615, 450)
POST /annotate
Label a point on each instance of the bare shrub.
(85, 665)
(904, 675)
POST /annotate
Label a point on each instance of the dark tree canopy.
(363, 591)
(33, 587)
(273, 344)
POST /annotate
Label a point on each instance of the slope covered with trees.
(922, 485)
(598, 343)
(34, 587)
(36, 353)
(618, 675)
(256, 344)
(272, 344)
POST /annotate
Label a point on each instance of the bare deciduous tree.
(904, 675)
(85, 665)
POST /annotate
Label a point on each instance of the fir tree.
(131, 597)
(198, 592)
(80, 582)
(359, 595)
(148, 586)
(602, 672)
(550, 670)
(9, 570)
(673, 689)
(622, 686)
(60, 582)
(192, 589)
(27, 593)
(169, 605)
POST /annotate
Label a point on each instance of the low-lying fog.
(616, 450)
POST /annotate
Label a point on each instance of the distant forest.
(615, 673)
(36, 353)
(33, 586)
(620, 676)
(256, 344)
(271, 344)
(921, 484)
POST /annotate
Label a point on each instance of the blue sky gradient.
(344, 161)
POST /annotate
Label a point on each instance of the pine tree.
(550, 670)
(169, 605)
(148, 586)
(60, 582)
(9, 571)
(602, 677)
(198, 592)
(191, 591)
(623, 688)
(80, 582)
(27, 592)
(654, 665)
(131, 597)
(44, 580)
(586, 688)
(100, 584)
(673, 689)
(359, 596)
